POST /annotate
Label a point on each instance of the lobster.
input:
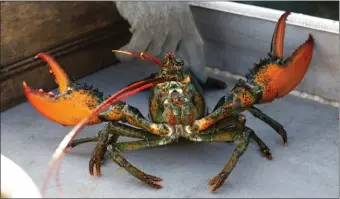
(177, 109)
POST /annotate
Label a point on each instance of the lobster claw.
(71, 105)
(277, 76)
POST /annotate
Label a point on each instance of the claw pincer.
(276, 76)
(72, 104)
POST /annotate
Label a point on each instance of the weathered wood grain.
(28, 27)
(80, 35)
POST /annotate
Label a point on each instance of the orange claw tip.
(310, 38)
(58, 72)
(27, 89)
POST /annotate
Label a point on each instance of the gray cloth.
(163, 27)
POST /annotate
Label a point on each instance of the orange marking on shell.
(68, 110)
(246, 98)
(203, 124)
(268, 77)
(114, 114)
(171, 118)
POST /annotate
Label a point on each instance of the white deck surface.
(307, 167)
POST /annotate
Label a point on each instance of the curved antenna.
(142, 55)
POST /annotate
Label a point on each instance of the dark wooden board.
(80, 35)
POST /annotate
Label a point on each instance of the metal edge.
(296, 19)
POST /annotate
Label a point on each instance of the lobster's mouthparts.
(69, 106)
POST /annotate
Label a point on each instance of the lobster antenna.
(142, 55)
(152, 58)
(58, 154)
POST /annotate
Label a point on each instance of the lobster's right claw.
(71, 105)
(277, 76)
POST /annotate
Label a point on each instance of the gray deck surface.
(307, 167)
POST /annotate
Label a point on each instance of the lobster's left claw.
(71, 105)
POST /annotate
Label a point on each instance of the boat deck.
(307, 167)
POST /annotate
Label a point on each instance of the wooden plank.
(28, 27)
(77, 63)
(81, 52)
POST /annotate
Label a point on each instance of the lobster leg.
(106, 130)
(271, 122)
(99, 151)
(228, 134)
(146, 178)
(79, 141)
(236, 124)
(265, 151)
(116, 130)
(121, 161)
(126, 113)
(128, 131)
(244, 139)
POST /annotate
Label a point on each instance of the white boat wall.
(237, 35)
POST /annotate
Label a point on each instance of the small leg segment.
(150, 180)
(136, 145)
(77, 142)
(104, 140)
(242, 96)
(99, 151)
(235, 123)
(244, 139)
(265, 151)
(243, 135)
(271, 122)
(126, 113)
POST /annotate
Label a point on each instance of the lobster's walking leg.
(271, 122)
(107, 128)
(116, 130)
(79, 141)
(234, 123)
(100, 149)
(228, 134)
(244, 139)
(121, 161)
(126, 113)
(129, 131)
(146, 178)
(264, 149)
